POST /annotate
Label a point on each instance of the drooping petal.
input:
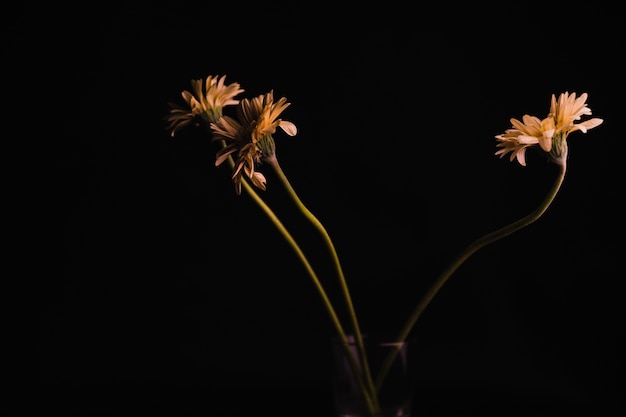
(288, 127)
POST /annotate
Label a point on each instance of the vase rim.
(383, 338)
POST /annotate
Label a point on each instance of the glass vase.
(393, 396)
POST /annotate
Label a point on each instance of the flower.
(247, 142)
(204, 104)
(550, 133)
(250, 136)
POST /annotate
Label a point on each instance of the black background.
(168, 295)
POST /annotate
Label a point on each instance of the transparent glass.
(395, 394)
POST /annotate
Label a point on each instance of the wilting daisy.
(250, 136)
(206, 103)
(550, 133)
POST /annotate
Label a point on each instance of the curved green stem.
(370, 400)
(273, 161)
(464, 255)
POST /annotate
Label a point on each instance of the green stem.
(371, 403)
(464, 255)
(273, 161)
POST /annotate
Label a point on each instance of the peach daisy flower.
(205, 103)
(550, 133)
(250, 136)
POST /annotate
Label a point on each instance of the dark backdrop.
(168, 295)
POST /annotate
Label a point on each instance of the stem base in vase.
(390, 387)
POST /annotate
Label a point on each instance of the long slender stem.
(464, 255)
(344, 285)
(370, 400)
(372, 403)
